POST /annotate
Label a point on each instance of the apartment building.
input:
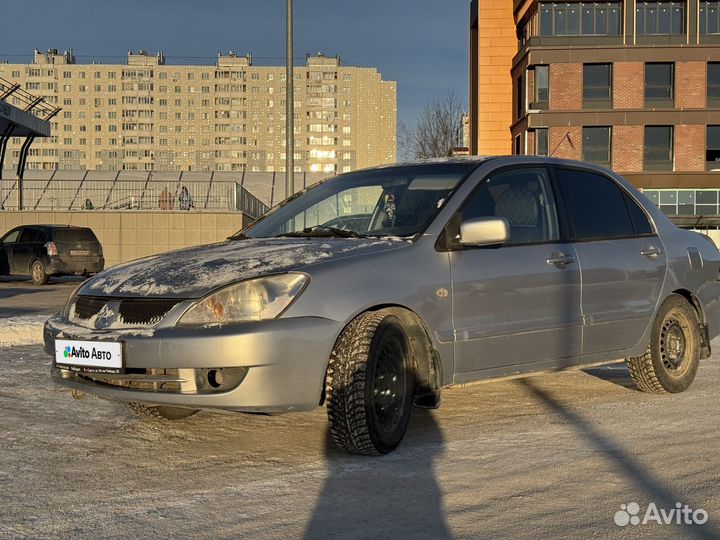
(630, 85)
(152, 116)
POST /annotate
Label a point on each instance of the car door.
(27, 244)
(622, 259)
(517, 303)
(6, 249)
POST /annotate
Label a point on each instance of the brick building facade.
(634, 86)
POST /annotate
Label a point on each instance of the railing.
(115, 191)
(26, 101)
(250, 192)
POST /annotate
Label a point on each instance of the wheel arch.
(702, 321)
(426, 358)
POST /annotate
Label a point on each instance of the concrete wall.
(129, 235)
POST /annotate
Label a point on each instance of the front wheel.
(37, 272)
(671, 361)
(370, 385)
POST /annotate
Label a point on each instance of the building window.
(541, 142)
(658, 148)
(520, 97)
(597, 84)
(713, 83)
(709, 17)
(659, 84)
(712, 152)
(596, 145)
(660, 18)
(580, 18)
(542, 89)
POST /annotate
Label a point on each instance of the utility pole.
(289, 108)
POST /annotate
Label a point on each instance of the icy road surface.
(552, 456)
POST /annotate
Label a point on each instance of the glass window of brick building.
(710, 17)
(580, 18)
(659, 18)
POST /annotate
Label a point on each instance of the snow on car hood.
(193, 272)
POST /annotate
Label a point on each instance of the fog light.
(213, 380)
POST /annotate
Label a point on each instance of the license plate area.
(90, 356)
(79, 252)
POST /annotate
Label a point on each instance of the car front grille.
(140, 311)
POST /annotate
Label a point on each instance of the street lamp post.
(289, 108)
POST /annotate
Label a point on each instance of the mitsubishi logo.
(108, 315)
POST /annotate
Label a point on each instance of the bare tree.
(436, 132)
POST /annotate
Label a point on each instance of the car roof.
(47, 227)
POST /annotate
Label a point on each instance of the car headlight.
(71, 302)
(252, 300)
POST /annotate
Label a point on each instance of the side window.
(524, 198)
(31, 235)
(639, 218)
(595, 204)
(12, 237)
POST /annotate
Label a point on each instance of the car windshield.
(395, 201)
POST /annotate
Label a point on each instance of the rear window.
(74, 235)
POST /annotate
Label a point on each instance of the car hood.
(194, 272)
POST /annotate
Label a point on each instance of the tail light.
(51, 249)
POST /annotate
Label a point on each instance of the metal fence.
(250, 192)
(128, 190)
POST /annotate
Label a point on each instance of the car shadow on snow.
(374, 497)
(614, 373)
(624, 461)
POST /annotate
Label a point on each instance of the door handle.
(560, 259)
(651, 252)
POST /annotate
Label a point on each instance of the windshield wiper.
(322, 231)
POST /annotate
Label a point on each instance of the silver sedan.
(372, 291)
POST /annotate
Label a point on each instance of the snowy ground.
(552, 456)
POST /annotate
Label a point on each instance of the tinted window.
(596, 82)
(660, 18)
(542, 94)
(74, 235)
(712, 151)
(596, 145)
(11, 238)
(713, 81)
(640, 221)
(585, 18)
(709, 17)
(659, 82)
(523, 198)
(541, 141)
(658, 148)
(32, 235)
(595, 204)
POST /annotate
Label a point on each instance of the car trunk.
(76, 245)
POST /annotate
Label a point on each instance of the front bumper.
(285, 361)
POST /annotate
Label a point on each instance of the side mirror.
(484, 231)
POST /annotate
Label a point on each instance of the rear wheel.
(670, 363)
(160, 412)
(37, 272)
(370, 385)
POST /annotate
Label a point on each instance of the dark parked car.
(50, 250)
